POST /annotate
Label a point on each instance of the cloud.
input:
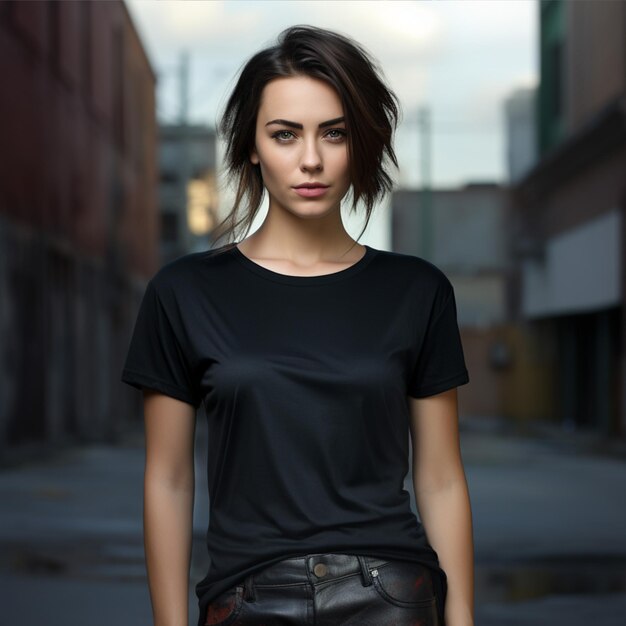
(240, 27)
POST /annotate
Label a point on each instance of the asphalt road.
(549, 517)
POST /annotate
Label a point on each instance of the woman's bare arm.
(168, 505)
(442, 498)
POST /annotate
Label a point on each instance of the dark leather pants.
(330, 590)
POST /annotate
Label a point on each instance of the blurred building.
(188, 196)
(78, 223)
(464, 232)
(568, 291)
(521, 139)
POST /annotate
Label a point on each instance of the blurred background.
(512, 180)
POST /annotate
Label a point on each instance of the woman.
(315, 357)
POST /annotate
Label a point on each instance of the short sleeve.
(155, 357)
(440, 363)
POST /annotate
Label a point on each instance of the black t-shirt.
(305, 383)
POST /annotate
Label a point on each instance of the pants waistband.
(313, 568)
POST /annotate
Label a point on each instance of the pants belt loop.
(249, 593)
(367, 576)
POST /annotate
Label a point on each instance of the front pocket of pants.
(224, 609)
(404, 584)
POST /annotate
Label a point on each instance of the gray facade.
(467, 232)
(187, 188)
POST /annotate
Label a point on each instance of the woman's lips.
(310, 192)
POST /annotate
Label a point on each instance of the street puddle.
(560, 574)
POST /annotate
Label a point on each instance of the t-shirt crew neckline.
(317, 279)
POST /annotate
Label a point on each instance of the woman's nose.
(311, 157)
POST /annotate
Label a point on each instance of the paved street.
(549, 519)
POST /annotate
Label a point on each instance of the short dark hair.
(371, 112)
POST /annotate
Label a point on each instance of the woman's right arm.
(168, 504)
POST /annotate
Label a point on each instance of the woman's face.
(302, 152)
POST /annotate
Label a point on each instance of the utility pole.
(184, 88)
(426, 221)
(184, 235)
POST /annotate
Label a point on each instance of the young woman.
(315, 358)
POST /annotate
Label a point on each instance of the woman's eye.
(282, 132)
(340, 136)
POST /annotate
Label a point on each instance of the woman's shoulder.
(414, 269)
(182, 271)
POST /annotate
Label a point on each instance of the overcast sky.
(461, 58)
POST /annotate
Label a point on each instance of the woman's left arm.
(442, 498)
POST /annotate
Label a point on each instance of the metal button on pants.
(329, 590)
(320, 570)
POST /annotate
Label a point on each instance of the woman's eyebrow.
(297, 125)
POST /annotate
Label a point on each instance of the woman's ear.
(254, 157)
